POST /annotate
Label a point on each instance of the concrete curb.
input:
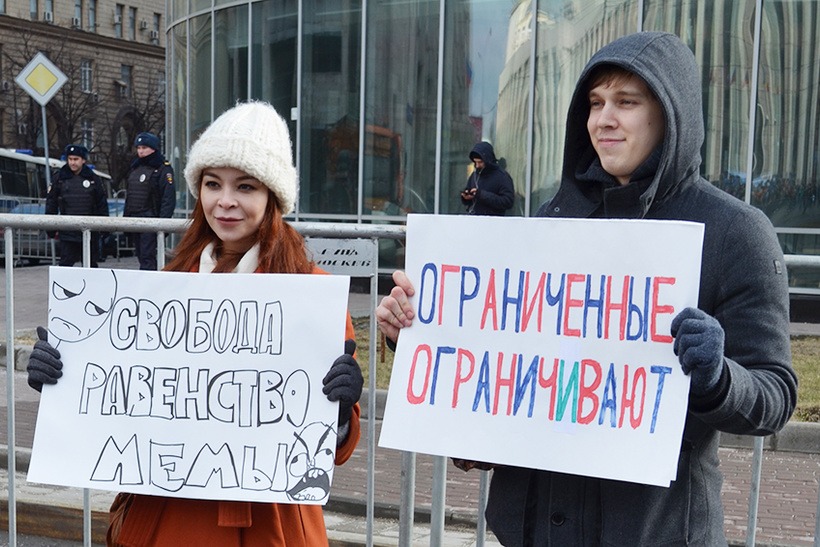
(21, 355)
(794, 437)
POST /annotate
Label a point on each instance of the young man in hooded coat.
(489, 189)
(632, 150)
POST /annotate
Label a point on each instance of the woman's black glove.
(343, 382)
(44, 365)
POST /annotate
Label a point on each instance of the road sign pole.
(45, 147)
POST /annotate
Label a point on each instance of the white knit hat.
(253, 138)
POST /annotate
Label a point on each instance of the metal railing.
(12, 222)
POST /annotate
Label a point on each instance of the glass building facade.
(386, 98)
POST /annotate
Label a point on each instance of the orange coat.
(175, 522)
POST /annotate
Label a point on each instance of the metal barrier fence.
(37, 223)
(34, 246)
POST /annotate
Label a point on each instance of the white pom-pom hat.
(253, 138)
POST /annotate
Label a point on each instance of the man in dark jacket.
(149, 194)
(632, 150)
(489, 188)
(76, 191)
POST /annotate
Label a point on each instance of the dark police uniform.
(149, 194)
(81, 194)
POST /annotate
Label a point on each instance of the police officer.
(149, 193)
(76, 191)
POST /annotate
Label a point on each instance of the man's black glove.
(699, 347)
(343, 382)
(44, 365)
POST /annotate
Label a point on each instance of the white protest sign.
(544, 343)
(190, 385)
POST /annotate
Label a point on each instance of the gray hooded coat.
(743, 284)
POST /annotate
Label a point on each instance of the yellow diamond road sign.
(41, 79)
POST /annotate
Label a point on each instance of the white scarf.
(248, 264)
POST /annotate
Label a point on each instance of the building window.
(78, 13)
(155, 29)
(125, 81)
(48, 7)
(86, 75)
(87, 133)
(92, 15)
(161, 87)
(132, 23)
(119, 9)
(33, 6)
(2, 10)
(123, 142)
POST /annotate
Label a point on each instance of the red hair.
(281, 247)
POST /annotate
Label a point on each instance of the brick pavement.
(787, 507)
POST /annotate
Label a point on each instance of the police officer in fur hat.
(149, 193)
(77, 190)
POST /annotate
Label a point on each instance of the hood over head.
(669, 69)
(484, 150)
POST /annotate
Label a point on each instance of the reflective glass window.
(725, 59)
(331, 75)
(178, 101)
(569, 33)
(231, 56)
(400, 135)
(786, 182)
(179, 8)
(273, 55)
(273, 58)
(199, 5)
(787, 126)
(486, 91)
(199, 61)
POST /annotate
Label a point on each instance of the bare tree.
(142, 109)
(116, 116)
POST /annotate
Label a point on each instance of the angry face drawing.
(79, 307)
(310, 463)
